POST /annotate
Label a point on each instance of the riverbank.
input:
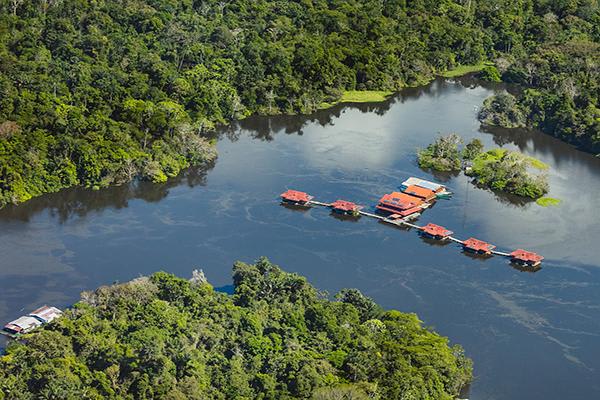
(182, 339)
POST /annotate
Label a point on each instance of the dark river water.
(531, 335)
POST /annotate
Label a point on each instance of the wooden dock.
(400, 222)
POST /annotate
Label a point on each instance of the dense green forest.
(98, 92)
(276, 337)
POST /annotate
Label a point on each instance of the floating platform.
(404, 207)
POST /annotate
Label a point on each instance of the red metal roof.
(478, 245)
(436, 230)
(297, 196)
(399, 201)
(344, 205)
(420, 192)
(410, 211)
(525, 255)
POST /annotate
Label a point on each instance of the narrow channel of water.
(531, 335)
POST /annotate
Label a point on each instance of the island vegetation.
(509, 171)
(442, 155)
(95, 93)
(275, 337)
(498, 169)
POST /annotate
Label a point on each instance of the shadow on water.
(295, 207)
(434, 242)
(344, 217)
(79, 201)
(535, 141)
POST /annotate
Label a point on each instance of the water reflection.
(79, 202)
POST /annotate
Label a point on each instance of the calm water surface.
(531, 335)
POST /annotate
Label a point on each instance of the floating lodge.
(29, 322)
(400, 207)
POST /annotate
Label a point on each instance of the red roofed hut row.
(296, 197)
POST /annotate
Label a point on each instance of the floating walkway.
(413, 208)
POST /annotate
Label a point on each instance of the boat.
(440, 191)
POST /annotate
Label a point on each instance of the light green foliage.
(461, 70)
(548, 201)
(508, 171)
(441, 155)
(276, 337)
(490, 73)
(359, 96)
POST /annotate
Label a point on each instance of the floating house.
(29, 322)
(420, 192)
(526, 258)
(400, 203)
(345, 207)
(478, 246)
(296, 197)
(440, 190)
(434, 231)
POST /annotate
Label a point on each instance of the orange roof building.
(420, 192)
(295, 197)
(345, 207)
(478, 246)
(435, 231)
(397, 202)
(525, 257)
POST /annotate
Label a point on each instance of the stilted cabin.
(345, 207)
(440, 190)
(526, 258)
(422, 193)
(434, 231)
(296, 197)
(400, 203)
(478, 246)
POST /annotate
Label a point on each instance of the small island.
(497, 169)
(275, 337)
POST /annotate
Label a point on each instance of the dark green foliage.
(98, 92)
(276, 338)
(472, 149)
(502, 110)
(441, 155)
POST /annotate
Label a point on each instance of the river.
(531, 335)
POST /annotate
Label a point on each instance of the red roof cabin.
(526, 258)
(398, 203)
(296, 197)
(435, 232)
(345, 207)
(422, 193)
(478, 246)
